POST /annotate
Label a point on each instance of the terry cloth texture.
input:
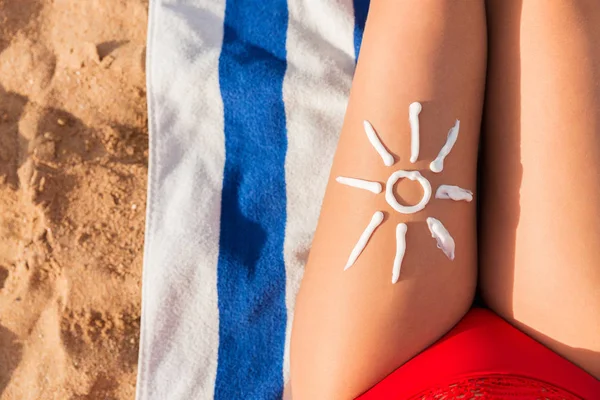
(246, 100)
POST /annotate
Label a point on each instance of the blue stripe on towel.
(361, 9)
(251, 271)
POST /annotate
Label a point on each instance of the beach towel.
(246, 100)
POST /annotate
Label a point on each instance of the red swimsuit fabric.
(483, 358)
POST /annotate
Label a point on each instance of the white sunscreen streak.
(437, 165)
(388, 159)
(376, 220)
(441, 235)
(390, 197)
(413, 118)
(400, 250)
(374, 187)
(450, 192)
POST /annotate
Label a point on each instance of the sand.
(73, 166)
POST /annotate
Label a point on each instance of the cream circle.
(413, 176)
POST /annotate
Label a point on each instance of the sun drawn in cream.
(445, 242)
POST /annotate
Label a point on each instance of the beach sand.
(73, 166)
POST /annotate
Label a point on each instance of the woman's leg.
(540, 248)
(352, 328)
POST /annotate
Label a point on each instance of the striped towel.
(246, 100)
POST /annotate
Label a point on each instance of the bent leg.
(352, 328)
(540, 247)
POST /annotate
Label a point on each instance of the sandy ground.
(73, 156)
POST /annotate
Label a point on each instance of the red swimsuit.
(483, 358)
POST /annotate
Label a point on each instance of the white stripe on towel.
(180, 319)
(320, 55)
